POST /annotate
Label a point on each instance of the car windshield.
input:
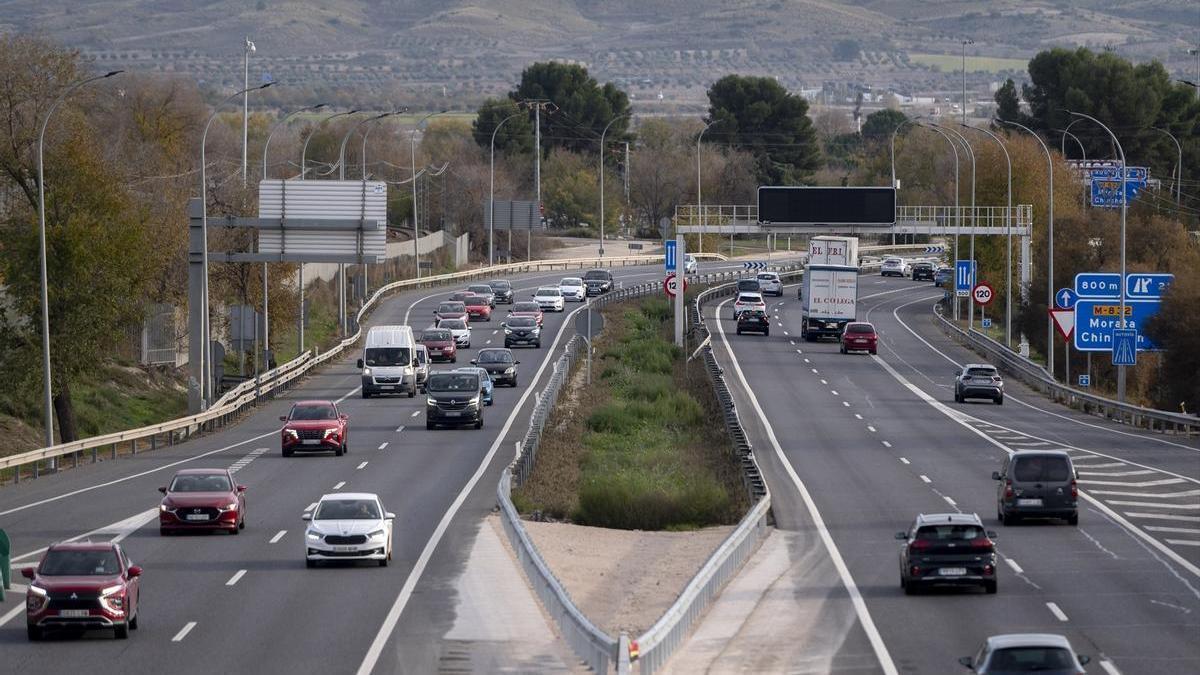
(480, 288)
(477, 301)
(747, 297)
(1041, 469)
(347, 509)
(950, 532)
(213, 482)
(531, 307)
(495, 356)
(747, 284)
(80, 563)
(572, 281)
(859, 328)
(388, 356)
(452, 382)
(548, 292)
(1030, 660)
(453, 324)
(450, 307)
(768, 277)
(499, 285)
(522, 322)
(596, 274)
(981, 372)
(321, 411)
(435, 335)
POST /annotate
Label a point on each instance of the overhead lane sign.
(669, 257)
(964, 277)
(1098, 309)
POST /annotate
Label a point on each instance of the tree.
(880, 124)
(758, 114)
(582, 107)
(846, 50)
(1008, 103)
(664, 169)
(516, 136)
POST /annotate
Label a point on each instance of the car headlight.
(231, 506)
(377, 534)
(366, 371)
(331, 432)
(508, 331)
(537, 330)
(163, 508)
(37, 590)
(291, 432)
(431, 401)
(474, 401)
(312, 536)
(111, 590)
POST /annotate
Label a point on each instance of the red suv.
(83, 585)
(859, 336)
(315, 425)
(202, 499)
(440, 343)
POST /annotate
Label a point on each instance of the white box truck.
(828, 300)
(829, 250)
(389, 362)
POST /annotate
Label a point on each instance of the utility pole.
(249, 49)
(964, 78)
(538, 104)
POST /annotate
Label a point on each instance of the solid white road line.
(926, 478)
(340, 485)
(418, 570)
(1176, 530)
(1058, 613)
(1183, 542)
(1164, 516)
(856, 599)
(12, 613)
(1156, 505)
(1013, 564)
(234, 579)
(383, 445)
(1109, 667)
(277, 537)
(360, 466)
(184, 631)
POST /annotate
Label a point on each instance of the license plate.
(310, 441)
(195, 516)
(73, 613)
(952, 571)
(1029, 502)
(452, 413)
(435, 351)
(344, 549)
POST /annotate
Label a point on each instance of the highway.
(231, 604)
(854, 446)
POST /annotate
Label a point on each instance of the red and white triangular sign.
(1064, 321)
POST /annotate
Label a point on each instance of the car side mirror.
(504, 324)
(966, 661)
(283, 418)
(957, 373)
(162, 490)
(474, 362)
(241, 488)
(991, 534)
(360, 364)
(307, 516)
(996, 475)
(516, 363)
(135, 571)
(416, 363)
(901, 536)
(343, 417)
(1084, 659)
(389, 516)
(28, 572)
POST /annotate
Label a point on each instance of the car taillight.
(1074, 489)
(988, 571)
(915, 571)
(995, 379)
(920, 545)
(982, 544)
(1008, 491)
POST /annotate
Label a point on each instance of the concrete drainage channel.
(598, 650)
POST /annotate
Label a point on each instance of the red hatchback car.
(315, 425)
(440, 343)
(83, 585)
(529, 309)
(859, 336)
(202, 499)
(478, 308)
(451, 310)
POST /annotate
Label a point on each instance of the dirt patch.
(623, 579)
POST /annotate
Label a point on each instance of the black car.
(522, 330)
(923, 270)
(947, 549)
(1037, 484)
(502, 290)
(454, 398)
(499, 363)
(598, 281)
(754, 321)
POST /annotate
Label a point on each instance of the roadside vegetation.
(642, 448)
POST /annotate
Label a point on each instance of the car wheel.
(429, 425)
(514, 382)
(366, 394)
(1000, 400)
(339, 451)
(739, 331)
(910, 589)
(990, 587)
(133, 623)
(35, 633)
(236, 529)
(842, 349)
(957, 397)
(309, 563)
(454, 359)
(538, 344)
(384, 562)
(1073, 519)
(1008, 518)
(479, 423)
(287, 453)
(121, 632)
(766, 333)
(874, 351)
(412, 391)
(242, 525)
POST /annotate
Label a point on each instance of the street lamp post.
(412, 150)
(250, 49)
(971, 154)
(699, 199)
(1124, 213)
(1008, 229)
(47, 392)
(1178, 162)
(492, 194)
(964, 78)
(602, 135)
(343, 315)
(206, 387)
(1049, 245)
(957, 209)
(304, 149)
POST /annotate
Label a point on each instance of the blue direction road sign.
(669, 258)
(1065, 298)
(987, 323)
(1147, 286)
(1124, 347)
(1085, 380)
(964, 277)
(1095, 321)
(1103, 285)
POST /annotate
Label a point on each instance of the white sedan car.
(572, 288)
(348, 526)
(893, 267)
(549, 298)
(459, 329)
(748, 301)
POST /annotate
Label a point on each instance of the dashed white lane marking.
(277, 537)
(400, 428)
(360, 466)
(949, 501)
(925, 478)
(1183, 542)
(383, 445)
(1109, 668)
(886, 444)
(824, 381)
(905, 460)
(184, 631)
(416, 412)
(1163, 516)
(814, 371)
(846, 403)
(1156, 505)
(243, 462)
(834, 392)
(857, 416)
(806, 360)
(488, 342)
(1013, 564)
(310, 507)
(792, 342)
(1058, 613)
(234, 579)
(495, 331)
(340, 485)
(1176, 530)
(870, 428)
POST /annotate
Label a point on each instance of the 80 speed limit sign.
(983, 293)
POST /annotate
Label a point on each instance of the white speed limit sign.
(983, 293)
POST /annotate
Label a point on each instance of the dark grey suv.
(978, 380)
(947, 549)
(455, 398)
(499, 363)
(1037, 484)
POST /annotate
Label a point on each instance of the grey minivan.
(1037, 484)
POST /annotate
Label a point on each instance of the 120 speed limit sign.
(983, 293)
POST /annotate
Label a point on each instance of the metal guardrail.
(251, 392)
(1037, 377)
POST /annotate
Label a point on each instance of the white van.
(389, 362)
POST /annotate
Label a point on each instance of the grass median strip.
(644, 446)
